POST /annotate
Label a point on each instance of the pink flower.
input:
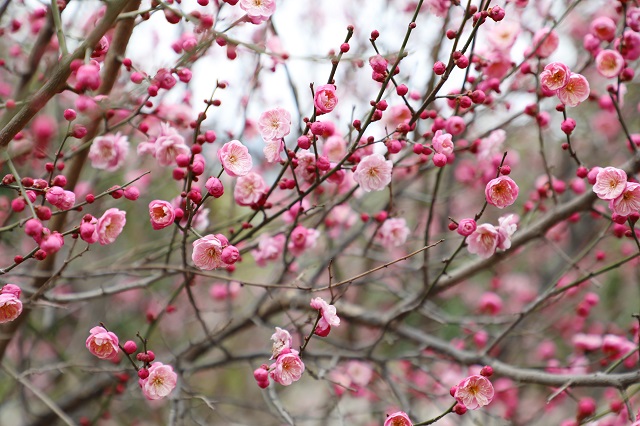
(110, 225)
(161, 213)
(235, 158)
(168, 145)
(474, 392)
(11, 289)
(610, 183)
(274, 124)
(440, 9)
(249, 189)
(261, 9)
(508, 225)
(329, 316)
(604, 28)
(501, 192)
(503, 36)
(272, 150)
(628, 202)
(102, 343)
(60, 198)
(269, 248)
(442, 143)
(399, 418)
(287, 369)
(302, 239)
(108, 152)
(466, 227)
(609, 63)
(373, 173)
(88, 231)
(281, 342)
(334, 148)
(576, 91)
(10, 306)
(160, 382)
(88, 77)
(393, 232)
(50, 242)
(207, 253)
(325, 98)
(549, 45)
(483, 241)
(555, 76)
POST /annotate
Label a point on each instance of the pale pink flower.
(168, 145)
(281, 342)
(329, 316)
(249, 189)
(610, 183)
(274, 124)
(586, 342)
(302, 239)
(474, 392)
(549, 45)
(161, 213)
(102, 343)
(269, 248)
(60, 198)
(160, 382)
(110, 225)
(399, 418)
(442, 143)
(10, 307)
(272, 150)
(108, 152)
(576, 90)
(491, 145)
(609, 63)
(628, 202)
(439, 7)
(393, 232)
(501, 192)
(507, 226)
(334, 148)
(287, 369)
(235, 158)
(504, 34)
(207, 253)
(483, 241)
(325, 98)
(261, 9)
(555, 76)
(373, 173)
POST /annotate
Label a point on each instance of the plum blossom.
(269, 248)
(503, 36)
(483, 241)
(102, 343)
(575, 91)
(609, 63)
(160, 382)
(466, 227)
(207, 253)
(610, 183)
(628, 202)
(399, 418)
(393, 232)
(235, 158)
(272, 150)
(546, 42)
(555, 76)
(373, 173)
(287, 369)
(328, 317)
(302, 239)
(281, 342)
(325, 98)
(249, 189)
(161, 213)
(442, 143)
(10, 305)
(60, 198)
(501, 192)
(261, 9)
(168, 145)
(274, 124)
(507, 226)
(474, 392)
(439, 8)
(110, 225)
(108, 152)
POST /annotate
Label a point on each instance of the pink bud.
(131, 193)
(230, 255)
(143, 373)
(130, 347)
(215, 187)
(33, 227)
